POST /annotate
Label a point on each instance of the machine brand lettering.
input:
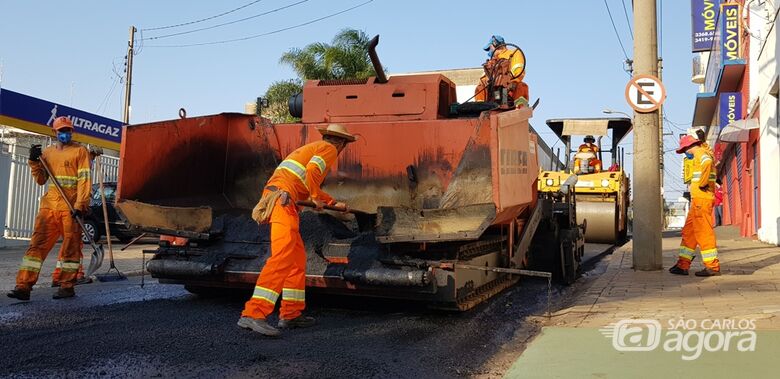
(514, 162)
(730, 31)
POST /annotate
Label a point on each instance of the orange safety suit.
(594, 164)
(70, 165)
(300, 175)
(517, 88)
(698, 224)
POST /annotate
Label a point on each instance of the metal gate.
(24, 194)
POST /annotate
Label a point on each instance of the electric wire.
(620, 41)
(203, 19)
(267, 33)
(625, 12)
(226, 23)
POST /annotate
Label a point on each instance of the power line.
(271, 32)
(625, 12)
(203, 19)
(226, 23)
(614, 27)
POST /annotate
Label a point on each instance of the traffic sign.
(645, 93)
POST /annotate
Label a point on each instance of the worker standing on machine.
(586, 160)
(504, 73)
(298, 177)
(69, 164)
(698, 230)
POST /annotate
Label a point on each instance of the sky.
(73, 52)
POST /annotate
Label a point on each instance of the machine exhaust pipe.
(381, 276)
(168, 268)
(380, 72)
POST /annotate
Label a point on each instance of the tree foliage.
(346, 57)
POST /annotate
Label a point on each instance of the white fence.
(23, 194)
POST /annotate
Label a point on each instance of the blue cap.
(494, 40)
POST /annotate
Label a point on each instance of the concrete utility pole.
(129, 77)
(648, 209)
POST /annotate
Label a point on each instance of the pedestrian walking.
(698, 230)
(718, 203)
(68, 162)
(298, 177)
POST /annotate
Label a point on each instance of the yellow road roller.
(602, 191)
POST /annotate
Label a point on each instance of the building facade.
(737, 107)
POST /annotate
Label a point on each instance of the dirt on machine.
(445, 200)
(602, 190)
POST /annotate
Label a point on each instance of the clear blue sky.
(67, 52)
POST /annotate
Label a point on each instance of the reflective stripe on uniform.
(31, 264)
(293, 167)
(84, 174)
(266, 294)
(709, 255)
(66, 181)
(686, 253)
(516, 66)
(705, 158)
(290, 294)
(70, 266)
(319, 162)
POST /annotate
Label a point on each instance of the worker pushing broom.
(65, 165)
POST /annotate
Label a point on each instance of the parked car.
(93, 222)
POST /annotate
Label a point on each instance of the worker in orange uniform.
(586, 160)
(69, 163)
(698, 225)
(504, 70)
(298, 177)
(94, 152)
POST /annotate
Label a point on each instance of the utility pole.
(648, 209)
(129, 76)
(661, 124)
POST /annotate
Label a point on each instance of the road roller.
(602, 191)
(443, 195)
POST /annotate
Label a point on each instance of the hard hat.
(337, 130)
(62, 122)
(686, 142)
(590, 138)
(494, 40)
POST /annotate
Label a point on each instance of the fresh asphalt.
(119, 329)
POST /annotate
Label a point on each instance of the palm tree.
(346, 57)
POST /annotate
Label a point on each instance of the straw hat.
(337, 130)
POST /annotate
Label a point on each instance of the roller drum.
(601, 221)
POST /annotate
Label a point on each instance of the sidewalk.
(129, 262)
(648, 324)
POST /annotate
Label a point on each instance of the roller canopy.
(564, 128)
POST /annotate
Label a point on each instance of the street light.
(610, 111)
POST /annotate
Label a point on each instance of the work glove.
(77, 213)
(705, 188)
(35, 153)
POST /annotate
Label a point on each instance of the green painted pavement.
(587, 353)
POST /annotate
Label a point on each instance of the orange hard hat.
(686, 142)
(62, 122)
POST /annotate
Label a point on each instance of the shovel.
(97, 254)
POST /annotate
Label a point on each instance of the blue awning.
(729, 78)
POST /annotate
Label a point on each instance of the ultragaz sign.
(730, 30)
(704, 16)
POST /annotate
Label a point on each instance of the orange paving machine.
(448, 210)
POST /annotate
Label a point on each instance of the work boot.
(708, 272)
(84, 280)
(63, 293)
(678, 271)
(19, 294)
(298, 322)
(258, 325)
